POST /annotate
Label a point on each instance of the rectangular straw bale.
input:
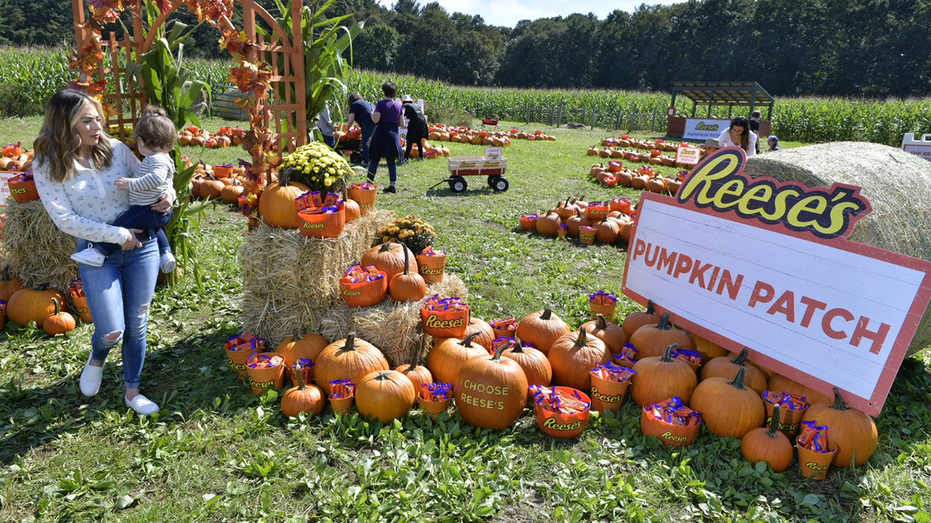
(36, 250)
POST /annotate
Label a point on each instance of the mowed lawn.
(218, 453)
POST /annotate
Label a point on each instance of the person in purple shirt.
(386, 142)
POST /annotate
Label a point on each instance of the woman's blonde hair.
(59, 141)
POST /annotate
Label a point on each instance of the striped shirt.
(153, 179)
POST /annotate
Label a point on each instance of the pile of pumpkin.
(396, 272)
(46, 307)
(197, 137)
(654, 157)
(612, 220)
(463, 134)
(219, 182)
(15, 158)
(644, 178)
(430, 151)
(627, 141)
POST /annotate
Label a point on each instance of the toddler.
(155, 137)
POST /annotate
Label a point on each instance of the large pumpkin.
(660, 378)
(728, 407)
(390, 258)
(638, 319)
(768, 445)
(652, 340)
(574, 355)
(277, 206)
(541, 329)
(417, 373)
(535, 364)
(548, 224)
(606, 331)
(407, 285)
(33, 305)
(486, 335)
(302, 346)
(727, 367)
(9, 285)
(449, 354)
(385, 395)
(491, 391)
(350, 358)
(781, 383)
(852, 431)
(302, 398)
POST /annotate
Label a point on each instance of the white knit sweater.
(84, 205)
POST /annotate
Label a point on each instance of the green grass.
(217, 453)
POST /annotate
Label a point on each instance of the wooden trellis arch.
(287, 99)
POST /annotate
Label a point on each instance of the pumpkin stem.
(578, 213)
(739, 379)
(650, 308)
(284, 177)
(774, 424)
(413, 365)
(385, 247)
(742, 357)
(667, 354)
(406, 271)
(517, 346)
(547, 314)
(468, 339)
(383, 376)
(500, 351)
(299, 371)
(582, 340)
(57, 306)
(664, 322)
(601, 321)
(350, 342)
(839, 403)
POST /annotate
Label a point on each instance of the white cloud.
(509, 12)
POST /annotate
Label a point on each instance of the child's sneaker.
(89, 256)
(167, 262)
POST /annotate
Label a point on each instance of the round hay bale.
(901, 217)
(36, 250)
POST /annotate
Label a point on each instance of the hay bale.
(289, 280)
(901, 217)
(37, 251)
(391, 326)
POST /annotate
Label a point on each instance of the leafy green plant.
(326, 69)
(169, 83)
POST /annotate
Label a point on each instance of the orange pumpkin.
(407, 285)
(638, 319)
(33, 305)
(542, 329)
(660, 378)
(277, 206)
(548, 224)
(768, 445)
(725, 367)
(390, 258)
(449, 355)
(350, 358)
(652, 340)
(608, 332)
(302, 398)
(574, 355)
(486, 335)
(535, 364)
(491, 391)
(9, 285)
(418, 374)
(301, 346)
(58, 322)
(385, 395)
(853, 432)
(728, 407)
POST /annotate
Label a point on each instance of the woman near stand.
(386, 142)
(739, 134)
(76, 167)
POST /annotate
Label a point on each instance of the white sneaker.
(89, 256)
(167, 262)
(91, 377)
(142, 405)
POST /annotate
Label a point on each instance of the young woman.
(739, 134)
(76, 168)
(386, 143)
(360, 111)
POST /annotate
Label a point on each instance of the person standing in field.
(360, 112)
(386, 142)
(739, 134)
(76, 169)
(417, 129)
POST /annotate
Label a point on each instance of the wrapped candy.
(674, 412)
(786, 400)
(436, 391)
(363, 186)
(528, 222)
(265, 361)
(445, 317)
(341, 389)
(76, 288)
(693, 358)
(316, 202)
(245, 342)
(627, 357)
(504, 328)
(613, 373)
(429, 251)
(602, 298)
(560, 400)
(814, 437)
(358, 274)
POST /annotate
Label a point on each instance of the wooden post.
(559, 115)
(594, 109)
(620, 115)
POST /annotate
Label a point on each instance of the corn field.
(29, 77)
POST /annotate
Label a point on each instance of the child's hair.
(153, 110)
(157, 131)
(389, 89)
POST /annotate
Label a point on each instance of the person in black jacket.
(416, 126)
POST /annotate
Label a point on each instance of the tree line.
(862, 48)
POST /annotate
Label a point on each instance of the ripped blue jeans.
(119, 295)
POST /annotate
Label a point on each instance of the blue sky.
(509, 12)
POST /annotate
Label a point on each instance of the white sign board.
(704, 128)
(493, 153)
(920, 147)
(828, 312)
(688, 156)
(5, 188)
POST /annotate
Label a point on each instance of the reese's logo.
(814, 466)
(607, 399)
(720, 183)
(434, 322)
(552, 423)
(702, 126)
(672, 437)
